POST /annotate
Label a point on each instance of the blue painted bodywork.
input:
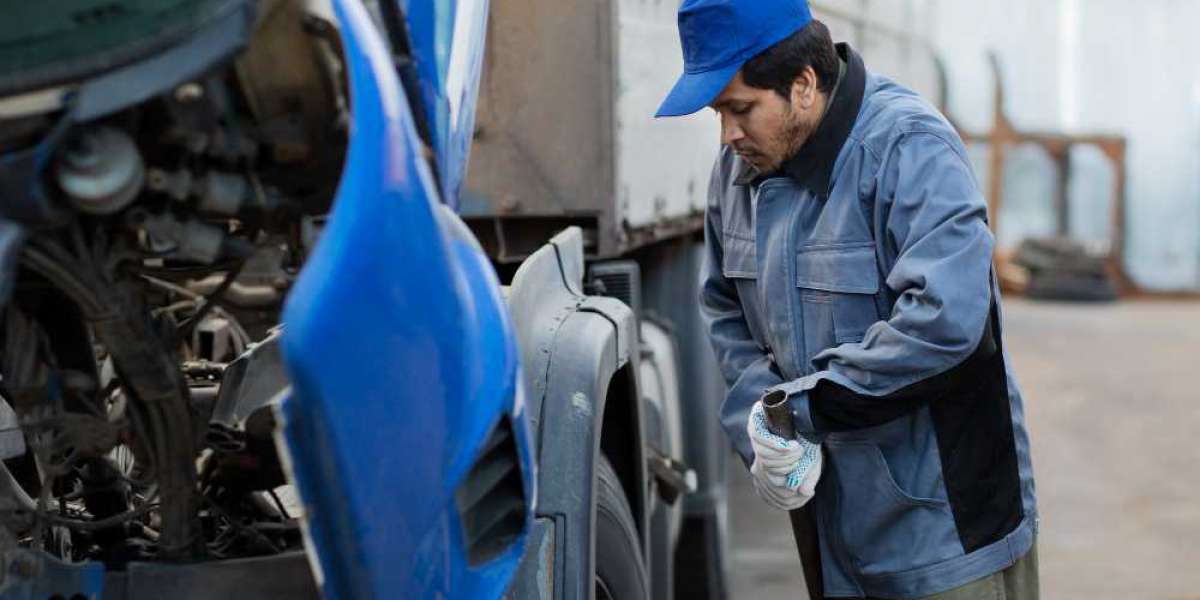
(447, 45)
(402, 358)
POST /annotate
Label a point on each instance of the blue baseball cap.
(718, 37)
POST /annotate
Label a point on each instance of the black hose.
(210, 301)
(159, 408)
(39, 261)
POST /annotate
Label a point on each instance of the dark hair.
(778, 66)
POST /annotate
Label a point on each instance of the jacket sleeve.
(746, 366)
(935, 221)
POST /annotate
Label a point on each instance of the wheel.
(620, 572)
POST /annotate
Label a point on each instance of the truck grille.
(620, 279)
(491, 501)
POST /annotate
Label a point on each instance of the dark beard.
(795, 132)
(795, 135)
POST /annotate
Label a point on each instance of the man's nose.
(730, 131)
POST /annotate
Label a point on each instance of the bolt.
(189, 92)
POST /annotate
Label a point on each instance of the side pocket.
(886, 530)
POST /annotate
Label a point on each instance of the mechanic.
(849, 270)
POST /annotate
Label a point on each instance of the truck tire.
(620, 571)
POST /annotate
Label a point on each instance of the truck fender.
(584, 387)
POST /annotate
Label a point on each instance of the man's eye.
(741, 110)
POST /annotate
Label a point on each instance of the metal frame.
(1004, 135)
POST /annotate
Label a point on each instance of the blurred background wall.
(1068, 66)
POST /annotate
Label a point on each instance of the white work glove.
(785, 472)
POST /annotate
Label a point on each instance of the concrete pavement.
(1114, 415)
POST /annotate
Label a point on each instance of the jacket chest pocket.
(740, 266)
(838, 284)
(740, 260)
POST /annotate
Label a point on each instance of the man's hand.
(785, 472)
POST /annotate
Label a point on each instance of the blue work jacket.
(858, 279)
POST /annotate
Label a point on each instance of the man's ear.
(804, 89)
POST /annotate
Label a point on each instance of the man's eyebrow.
(726, 102)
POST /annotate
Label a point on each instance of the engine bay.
(158, 237)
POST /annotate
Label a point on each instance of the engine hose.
(211, 301)
(63, 278)
(157, 392)
(17, 492)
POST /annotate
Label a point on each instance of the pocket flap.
(847, 268)
(740, 260)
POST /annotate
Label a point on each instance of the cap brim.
(694, 91)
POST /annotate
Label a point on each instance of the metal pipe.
(781, 423)
(779, 414)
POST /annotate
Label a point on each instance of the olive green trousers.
(1018, 582)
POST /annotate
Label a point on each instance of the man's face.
(765, 128)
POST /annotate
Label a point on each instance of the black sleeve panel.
(837, 408)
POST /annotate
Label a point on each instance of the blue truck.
(267, 333)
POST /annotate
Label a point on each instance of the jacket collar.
(812, 165)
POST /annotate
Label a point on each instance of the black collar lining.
(812, 165)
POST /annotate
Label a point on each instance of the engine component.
(292, 105)
(251, 463)
(216, 192)
(100, 170)
(215, 340)
(107, 402)
(185, 240)
(149, 374)
(12, 443)
(260, 284)
(242, 427)
(240, 294)
(190, 240)
(223, 193)
(176, 184)
(253, 381)
(106, 489)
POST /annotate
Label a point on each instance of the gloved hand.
(785, 472)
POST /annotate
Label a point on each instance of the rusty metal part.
(779, 414)
(1004, 136)
(546, 116)
(295, 107)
